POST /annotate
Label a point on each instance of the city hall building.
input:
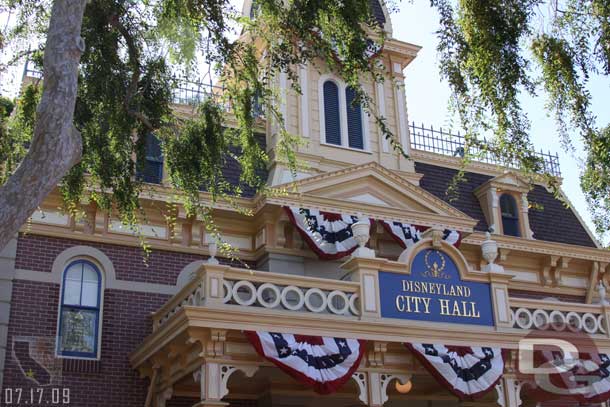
(364, 285)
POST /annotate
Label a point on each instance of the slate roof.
(553, 222)
(378, 12)
(232, 170)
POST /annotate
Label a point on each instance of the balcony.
(453, 145)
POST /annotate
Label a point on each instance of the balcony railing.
(445, 143)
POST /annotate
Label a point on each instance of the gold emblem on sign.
(436, 266)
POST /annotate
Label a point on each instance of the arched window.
(79, 315)
(152, 169)
(354, 120)
(332, 113)
(510, 215)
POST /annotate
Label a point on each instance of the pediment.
(370, 188)
(509, 181)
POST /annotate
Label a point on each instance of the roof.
(553, 222)
(232, 169)
(378, 13)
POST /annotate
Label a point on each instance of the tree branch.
(56, 144)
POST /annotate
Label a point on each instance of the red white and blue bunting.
(408, 235)
(468, 372)
(586, 380)
(322, 363)
(329, 235)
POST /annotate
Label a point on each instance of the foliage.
(135, 50)
(492, 51)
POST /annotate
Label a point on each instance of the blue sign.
(435, 292)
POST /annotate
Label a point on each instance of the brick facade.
(162, 267)
(126, 323)
(126, 318)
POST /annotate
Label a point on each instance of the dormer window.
(341, 116)
(510, 215)
(504, 203)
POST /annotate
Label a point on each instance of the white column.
(401, 108)
(385, 145)
(304, 82)
(283, 97)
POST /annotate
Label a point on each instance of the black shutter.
(152, 170)
(354, 120)
(332, 116)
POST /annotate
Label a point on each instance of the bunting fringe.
(329, 235)
(468, 372)
(408, 235)
(324, 364)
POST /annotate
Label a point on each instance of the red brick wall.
(126, 323)
(126, 318)
(38, 253)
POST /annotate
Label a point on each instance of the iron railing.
(446, 143)
(193, 93)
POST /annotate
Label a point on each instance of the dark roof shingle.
(553, 222)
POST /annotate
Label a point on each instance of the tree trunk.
(56, 145)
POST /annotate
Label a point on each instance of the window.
(152, 169)
(342, 116)
(332, 113)
(79, 315)
(510, 215)
(354, 120)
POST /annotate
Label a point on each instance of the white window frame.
(343, 116)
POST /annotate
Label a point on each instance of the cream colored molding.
(310, 185)
(386, 329)
(381, 106)
(304, 82)
(542, 247)
(105, 266)
(401, 114)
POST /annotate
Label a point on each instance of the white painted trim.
(343, 116)
(385, 145)
(283, 96)
(304, 82)
(119, 285)
(402, 116)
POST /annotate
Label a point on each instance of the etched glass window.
(80, 311)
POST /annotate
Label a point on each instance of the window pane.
(89, 274)
(511, 226)
(90, 292)
(354, 120)
(332, 116)
(78, 331)
(72, 292)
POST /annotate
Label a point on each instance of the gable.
(377, 192)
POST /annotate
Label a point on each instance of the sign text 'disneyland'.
(435, 292)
